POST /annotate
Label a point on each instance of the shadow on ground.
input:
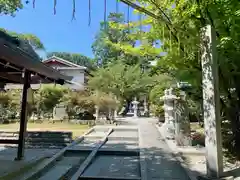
(119, 157)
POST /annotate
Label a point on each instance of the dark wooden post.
(23, 117)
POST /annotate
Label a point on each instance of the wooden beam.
(91, 156)
(8, 141)
(11, 77)
(141, 9)
(20, 58)
(107, 178)
(23, 117)
(50, 162)
(169, 25)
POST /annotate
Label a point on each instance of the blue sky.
(58, 32)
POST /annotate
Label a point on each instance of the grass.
(76, 129)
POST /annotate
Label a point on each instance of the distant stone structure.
(135, 107)
(59, 112)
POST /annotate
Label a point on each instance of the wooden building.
(20, 64)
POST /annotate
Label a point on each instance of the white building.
(79, 73)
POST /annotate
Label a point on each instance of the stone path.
(119, 156)
(160, 163)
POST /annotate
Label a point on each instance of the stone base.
(169, 130)
(182, 140)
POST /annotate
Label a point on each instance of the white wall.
(77, 74)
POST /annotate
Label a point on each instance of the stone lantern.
(169, 102)
(135, 107)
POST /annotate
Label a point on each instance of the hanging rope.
(55, 7)
(34, 1)
(170, 39)
(74, 10)
(163, 35)
(117, 6)
(89, 12)
(128, 18)
(140, 26)
(179, 46)
(105, 14)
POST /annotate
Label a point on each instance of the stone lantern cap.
(169, 97)
(135, 102)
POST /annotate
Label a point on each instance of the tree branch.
(143, 10)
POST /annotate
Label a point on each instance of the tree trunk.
(127, 105)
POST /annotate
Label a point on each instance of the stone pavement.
(160, 163)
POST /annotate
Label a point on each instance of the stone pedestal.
(169, 125)
(135, 108)
(182, 125)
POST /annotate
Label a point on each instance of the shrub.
(198, 139)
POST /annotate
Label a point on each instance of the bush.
(157, 110)
(198, 139)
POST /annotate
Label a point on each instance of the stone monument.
(59, 112)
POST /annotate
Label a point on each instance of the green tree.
(122, 80)
(104, 51)
(78, 101)
(49, 97)
(9, 7)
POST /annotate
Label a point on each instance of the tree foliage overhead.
(34, 41)
(9, 7)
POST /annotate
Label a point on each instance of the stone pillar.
(97, 112)
(211, 110)
(135, 107)
(169, 124)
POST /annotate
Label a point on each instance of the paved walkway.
(160, 163)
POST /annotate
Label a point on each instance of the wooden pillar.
(211, 110)
(23, 116)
